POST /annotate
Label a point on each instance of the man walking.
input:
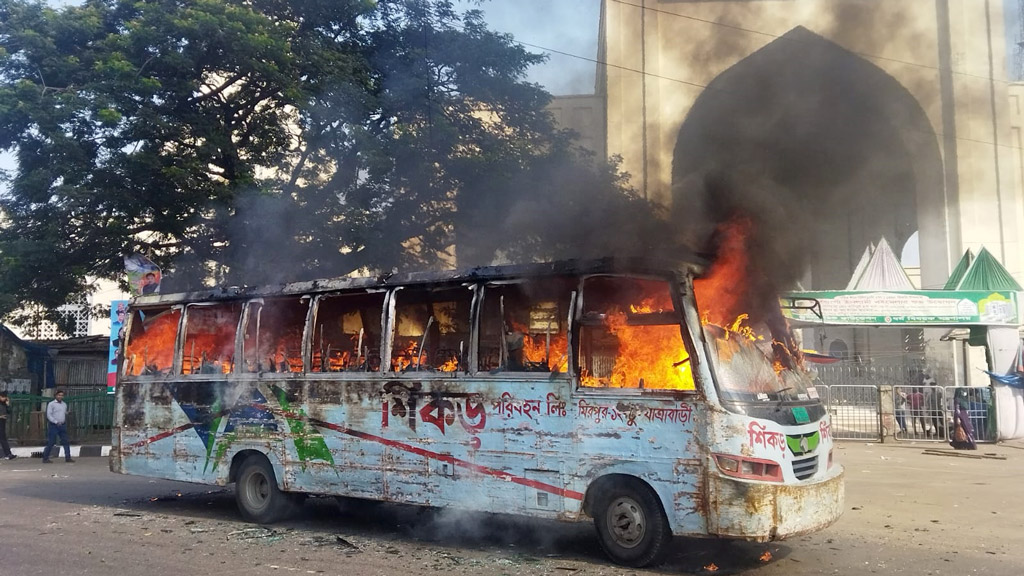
(56, 418)
(5, 410)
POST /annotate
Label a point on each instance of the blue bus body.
(539, 443)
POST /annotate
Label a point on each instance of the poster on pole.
(143, 275)
(118, 314)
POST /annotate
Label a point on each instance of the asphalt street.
(908, 512)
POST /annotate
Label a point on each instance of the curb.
(58, 452)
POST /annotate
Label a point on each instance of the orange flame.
(406, 357)
(544, 349)
(723, 294)
(649, 356)
(152, 351)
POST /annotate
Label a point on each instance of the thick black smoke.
(810, 142)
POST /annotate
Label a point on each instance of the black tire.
(631, 524)
(256, 492)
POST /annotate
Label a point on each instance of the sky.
(568, 26)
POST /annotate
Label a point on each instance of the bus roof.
(692, 266)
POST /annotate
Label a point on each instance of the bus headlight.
(749, 468)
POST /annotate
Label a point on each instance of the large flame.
(649, 347)
(725, 298)
(649, 355)
(150, 350)
(722, 293)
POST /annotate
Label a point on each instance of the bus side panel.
(191, 430)
(652, 439)
(500, 448)
(157, 438)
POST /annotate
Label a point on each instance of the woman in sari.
(963, 430)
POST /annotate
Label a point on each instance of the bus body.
(570, 391)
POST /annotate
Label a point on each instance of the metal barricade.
(90, 418)
(856, 412)
(920, 413)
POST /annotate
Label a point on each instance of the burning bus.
(622, 391)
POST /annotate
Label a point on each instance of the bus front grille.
(805, 468)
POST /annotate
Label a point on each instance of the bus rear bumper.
(762, 512)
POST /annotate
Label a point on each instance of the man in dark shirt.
(5, 411)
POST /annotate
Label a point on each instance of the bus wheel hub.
(627, 522)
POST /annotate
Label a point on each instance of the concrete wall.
(14, 375)
(948, 55)
(584, 115)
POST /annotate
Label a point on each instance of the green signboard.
(938, 307)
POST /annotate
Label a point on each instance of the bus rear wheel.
(631, 524)
(256, 492)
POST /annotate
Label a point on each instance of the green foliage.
(261, 140)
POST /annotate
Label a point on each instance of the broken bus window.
(272, 339)
(431, 329)
(528, 321)
(150, 346)
(346, 333)
(210, 338)
(630, 336)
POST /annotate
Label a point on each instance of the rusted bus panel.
(763, 511)
(809, 497)
(654, 438)
(506, 446)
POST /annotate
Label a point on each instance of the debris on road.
(128, 513)
(251, 534)
(958, 454)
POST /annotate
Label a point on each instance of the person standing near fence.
(5, 412)
(963, 430)
(56, 425)
(900, 405)
(916, 401)
(933, 401)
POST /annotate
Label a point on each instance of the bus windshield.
(748, 371)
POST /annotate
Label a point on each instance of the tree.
(264, 140)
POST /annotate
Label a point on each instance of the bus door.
(430, 421)
(637, 403)
(523, 364)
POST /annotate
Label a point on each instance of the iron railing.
(90, 418)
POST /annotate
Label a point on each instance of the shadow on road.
(530, 539)
(326, 521)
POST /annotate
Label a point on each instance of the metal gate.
(855, 409)
(924, 413)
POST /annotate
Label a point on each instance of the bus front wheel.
(631, 524)
(256, 492)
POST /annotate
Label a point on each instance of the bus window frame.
(307, 333)
(674, 283)
(247, 307)
(180, 343)
(388, 335)
(170, 374)
(570, 373)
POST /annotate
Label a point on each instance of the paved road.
(907, 513)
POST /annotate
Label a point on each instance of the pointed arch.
(826, 145)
